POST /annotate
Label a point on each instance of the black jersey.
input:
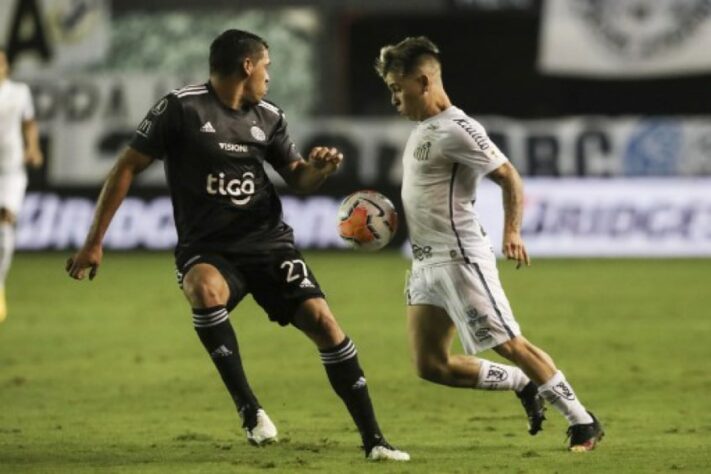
(213, 157)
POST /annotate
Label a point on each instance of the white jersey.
(15, 108)
(444, 159)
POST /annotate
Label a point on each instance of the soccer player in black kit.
(213, 139)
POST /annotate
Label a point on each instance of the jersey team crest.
(257, 133)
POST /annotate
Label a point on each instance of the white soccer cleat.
(387, 453)
(264, 432)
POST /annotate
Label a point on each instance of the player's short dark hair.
(229, 50)
(402, 58)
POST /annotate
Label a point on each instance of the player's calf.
(217, 335)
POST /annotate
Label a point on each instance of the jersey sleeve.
(282, 150)
(468, 144)
(158, 129)
(28, 109)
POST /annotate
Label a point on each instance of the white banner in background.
(625, 38)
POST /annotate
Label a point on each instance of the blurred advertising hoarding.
(565, 217)
(621, 217)
(86, 121)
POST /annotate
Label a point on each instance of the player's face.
(257, 83)
(3, 66)
(406, 94)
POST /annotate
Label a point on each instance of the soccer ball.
(367, 220)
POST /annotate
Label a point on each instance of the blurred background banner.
(608, 217)
(87, 121)
(53, 221)
(625, 38)
(54, 34)
(569, 217)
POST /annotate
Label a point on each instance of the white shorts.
(472, 296)
(12, 191)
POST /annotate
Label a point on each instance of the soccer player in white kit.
(454, 284)
(19, 145)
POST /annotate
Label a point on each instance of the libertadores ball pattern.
(367, 220)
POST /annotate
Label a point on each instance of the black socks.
(216, 334)
(348, 381)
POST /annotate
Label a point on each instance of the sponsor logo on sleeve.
(144, 128)
(160, 107)
(481, 140)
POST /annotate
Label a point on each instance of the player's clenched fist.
(325, 158)
(77, 265)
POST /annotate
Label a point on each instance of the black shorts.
(279, 282)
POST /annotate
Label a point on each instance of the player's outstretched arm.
(115, 188)
(511, 184)
(307, 175)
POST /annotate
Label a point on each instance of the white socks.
(558, 392)
(7, 247)
(493, 376)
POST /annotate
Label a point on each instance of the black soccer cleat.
(535, 409)
(585, 437)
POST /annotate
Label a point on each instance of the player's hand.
(325, 159)
(34, 157)
(514, 249)
(85, 258)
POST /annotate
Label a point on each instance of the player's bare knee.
(328, 324)
(322, 321)
(202, 295)
(430, 369)
(205, 290)
(315, 318)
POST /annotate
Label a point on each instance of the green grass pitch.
(108, 376)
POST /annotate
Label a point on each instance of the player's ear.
(247, 66)
(425, 83)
